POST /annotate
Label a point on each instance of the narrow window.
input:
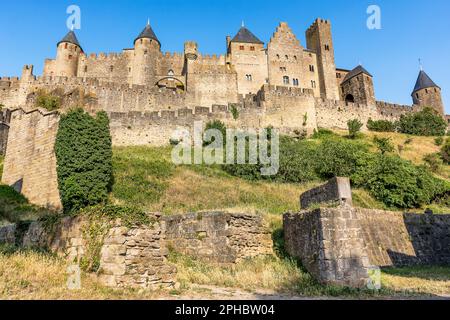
(65, 46)
(327, 47)
(295, 58)
(252, 48)
(111, 68)
(85, 68)
(249, 77)
(70, 57)
(313, 84)
(278, 56)
(417, 95)
(287, 57)
(311, 68)
(241, 48)
(286, 80)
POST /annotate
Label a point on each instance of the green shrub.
(433, 162)
(381, 126)
(439, 141)
(47, 101)
(445, 151)
(216, 125)
(338, 157)
(396, 182)
(323, 134)
(234, 112)
(384, 145)
(424, 123)
(84, 159)
(354, 127)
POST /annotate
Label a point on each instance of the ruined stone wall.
(218, 237)
(30, 161)
(129, 257)
(330, 245)
(396, 239)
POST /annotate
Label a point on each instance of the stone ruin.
(338, 244)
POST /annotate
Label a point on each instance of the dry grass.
(39, 276)
(428, 280)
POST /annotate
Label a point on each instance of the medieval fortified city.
(93, 204)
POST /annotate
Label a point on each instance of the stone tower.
(357, 87)
(147, 49)
(427, 94)
(190, 56)
(67, 56)
(248, 56)
(319, 39)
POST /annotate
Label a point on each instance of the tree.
(354, 127)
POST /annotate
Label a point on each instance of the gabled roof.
(423, 82)
(357, 71)
(70, 38)
(245, 36)
(148, 33)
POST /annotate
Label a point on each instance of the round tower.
(427, 94)
(147, 49)
(67, 55)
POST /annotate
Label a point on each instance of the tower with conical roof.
(147, 49)
(248, 56)
(426, 93)
(67, 56)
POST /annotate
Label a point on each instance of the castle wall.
(112, 67)
(30, 161)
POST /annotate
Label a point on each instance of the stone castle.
(148, 93)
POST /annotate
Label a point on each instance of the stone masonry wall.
(330, 245)
(396, 239)
(218, 237)
(130, 257)
(337, 244)
(30, 161)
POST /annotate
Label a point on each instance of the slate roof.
(423, 82)
(357, 71)
(148, 33)
(70, 38)
(245, 36)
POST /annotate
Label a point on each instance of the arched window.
(85, 68)
(286, 80)
(287, 57)
(111, 68)
(350, 98)
(170, 73)
(278, 56)
(313, 84)
(249, 77)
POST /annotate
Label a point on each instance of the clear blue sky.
(29, 31)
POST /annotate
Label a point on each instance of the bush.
(396, 182)
(217, 125)
(48, 101)
(84, 159)
(338, 157)
(424, 123)
(381, 126)
(439, 141)
(445, 151)
(433, 162)
(384, 145)
(354, 127)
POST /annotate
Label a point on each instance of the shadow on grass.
(438, 273)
